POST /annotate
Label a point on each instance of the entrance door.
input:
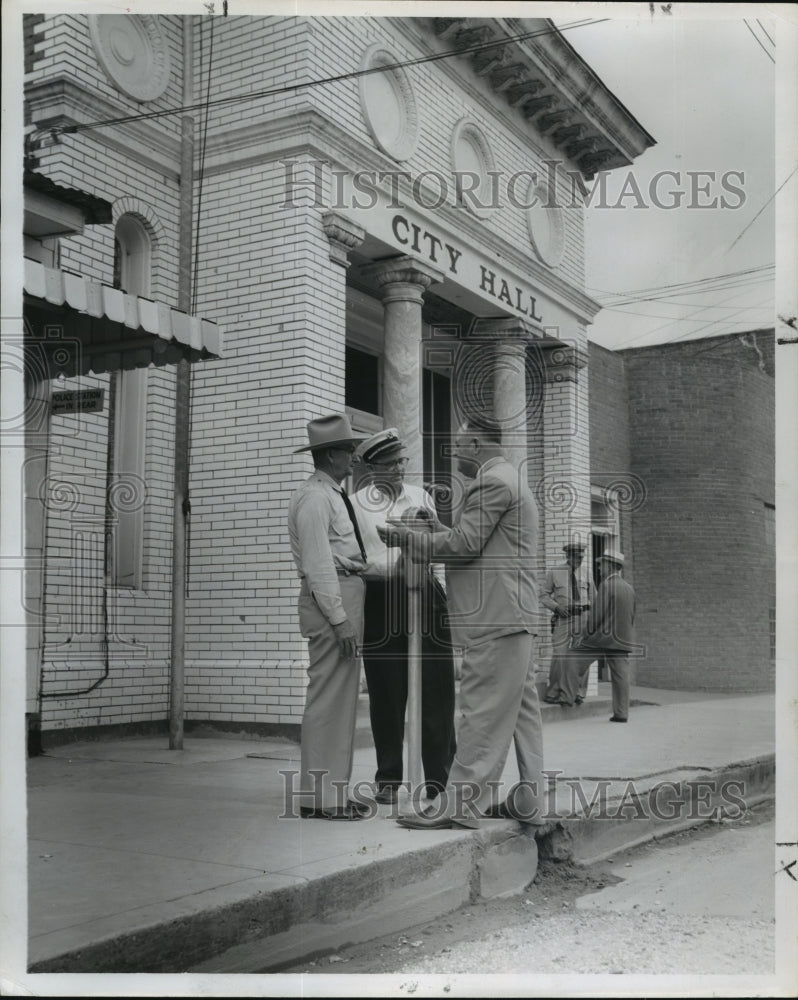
(436, 434)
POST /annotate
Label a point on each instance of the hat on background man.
(612, 555)
(330, 431)
(382, 446)
(574, 547)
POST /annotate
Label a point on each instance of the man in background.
(567, 593)
(610, 630)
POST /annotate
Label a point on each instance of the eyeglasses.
(396, 464)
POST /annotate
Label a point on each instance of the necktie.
(574, 588)
(351, 512)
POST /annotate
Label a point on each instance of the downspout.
(181, 506)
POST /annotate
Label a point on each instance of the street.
(700, 902)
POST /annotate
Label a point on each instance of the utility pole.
(181, 508)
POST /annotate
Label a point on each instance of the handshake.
(411, 532)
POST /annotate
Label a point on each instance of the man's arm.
(485, 504)
(547, 593)
(315, 555)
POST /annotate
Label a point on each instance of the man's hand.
(393, 535)
(346, 638)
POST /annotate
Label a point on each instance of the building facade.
(690, 427)
(385, 215)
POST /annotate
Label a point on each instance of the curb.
(268, 930)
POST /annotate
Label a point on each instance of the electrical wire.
(764, 29)
(762, 209)
(289, 88)
(758, 41)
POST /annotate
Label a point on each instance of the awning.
(75, 326)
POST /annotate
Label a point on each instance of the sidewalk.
(144, 859)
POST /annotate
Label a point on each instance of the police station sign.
(78, 401)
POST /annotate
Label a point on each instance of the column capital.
(562, 362)
(343, 234)
(403, 278)
(509, 330)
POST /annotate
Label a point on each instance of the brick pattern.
(265, 274)
(702, 439)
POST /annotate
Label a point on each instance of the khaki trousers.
(328, 723)
(498, 704)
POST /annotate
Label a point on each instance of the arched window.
(132, 271)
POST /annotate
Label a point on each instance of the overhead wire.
(765, 31)
(758, 40)
(353, 75)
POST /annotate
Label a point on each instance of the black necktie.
(351, 512)
(574, 588)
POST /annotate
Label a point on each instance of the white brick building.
(404, 243)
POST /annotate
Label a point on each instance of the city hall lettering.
(422, 241)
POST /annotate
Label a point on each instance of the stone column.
(564, 493)
(402, 282)
(510, 389)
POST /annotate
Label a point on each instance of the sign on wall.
(78, 401)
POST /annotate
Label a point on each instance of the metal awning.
(75, 326)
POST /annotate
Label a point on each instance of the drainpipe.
(182, 400)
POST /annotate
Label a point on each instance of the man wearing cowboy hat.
(385, 641)
(610, 630)
(567, 593)
(330, 556)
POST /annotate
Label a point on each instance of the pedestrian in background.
(488, 554)
(385, 638)
(330, 557)
(610, 631)
(567, 592)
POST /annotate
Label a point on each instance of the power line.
(716, 282)
(355, 74)
(758, 41)
(764, 29)
(762, 209)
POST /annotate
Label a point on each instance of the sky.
(705, 90)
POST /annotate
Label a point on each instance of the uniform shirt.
(323, 542)
(372, 507)
(556, 590)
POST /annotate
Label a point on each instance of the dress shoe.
(348, 812)
(617, 718)
(552, 701)
(579, 699)
(386, 795)
(422, 822)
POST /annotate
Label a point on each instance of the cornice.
(61, 100)
(548, 83)
(310, 133)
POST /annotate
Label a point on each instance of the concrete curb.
(270, 929)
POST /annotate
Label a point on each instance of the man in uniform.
(385, 639)
(567, 593)
(610, 630)
(330, 557)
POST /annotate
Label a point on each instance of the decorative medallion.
(388, 103)
(472, 159)
(133, 52)
(546, 225)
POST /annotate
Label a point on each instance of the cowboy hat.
(329, 431)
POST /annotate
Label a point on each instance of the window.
(132, 268)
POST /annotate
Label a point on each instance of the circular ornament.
(546, 226)
(471, 154)
(133, 52)
(388, 103)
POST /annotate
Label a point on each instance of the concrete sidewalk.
(144, 859)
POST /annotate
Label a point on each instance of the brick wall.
(702, 439)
